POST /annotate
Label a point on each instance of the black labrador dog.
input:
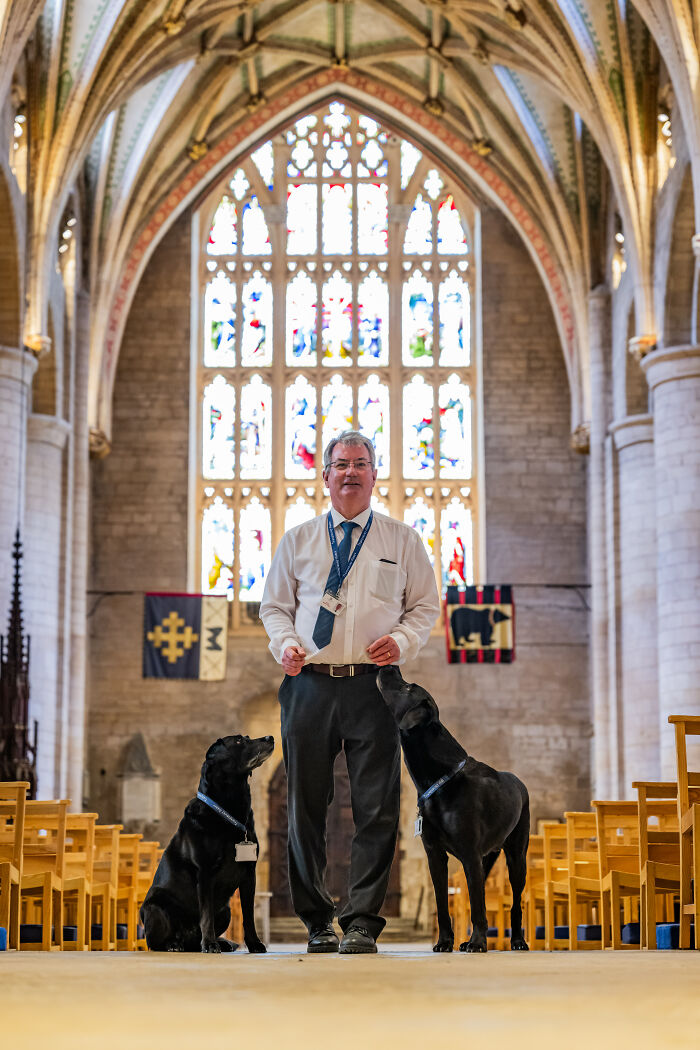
(187, 907)
(468, 809)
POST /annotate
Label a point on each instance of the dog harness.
(440, 783)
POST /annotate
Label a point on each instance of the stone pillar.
(17, 368)
(604, 715)
(80, 510)
(674, 378)
(638, 655)
(44, 528)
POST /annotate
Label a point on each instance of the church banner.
(480, 624)
(184, 636)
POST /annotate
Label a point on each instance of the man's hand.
(384, 651)
(293, 659)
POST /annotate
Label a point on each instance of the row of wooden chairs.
(609, 877)
(66, 881)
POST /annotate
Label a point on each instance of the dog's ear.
(217, 748)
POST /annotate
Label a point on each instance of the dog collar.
(222, 813)
(440, 783)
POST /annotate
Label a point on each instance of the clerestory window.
(336, 279)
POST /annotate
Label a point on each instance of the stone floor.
(403, 996)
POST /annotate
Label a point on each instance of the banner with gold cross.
(184, 636)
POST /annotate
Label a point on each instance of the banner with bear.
(480, 624)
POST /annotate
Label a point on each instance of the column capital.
(640, 346)
(47, 430)
(18, 365)
(671, 363)
(38, 344)
(695, 244)
(100, 446)
(632, 430)
(580, 440)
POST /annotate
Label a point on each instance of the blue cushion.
(668, 935)
(96, 931)
(3, 939)
(70, 933)
(561, 933)
(140, 932)
(31, 932)
(588, 932)
(630, 933)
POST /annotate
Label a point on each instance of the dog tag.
(418, 828)
(246, 851)
(332, 603)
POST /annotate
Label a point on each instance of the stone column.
(674, 378)
(638, 655)
(17, 368)
(604, 715)
(44, 528)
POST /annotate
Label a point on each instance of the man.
(347, 592)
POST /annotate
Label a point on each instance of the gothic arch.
(10, 301)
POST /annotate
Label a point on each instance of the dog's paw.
(227, 946)
(472, 946)
(256, 947)
(443, 946)
(175, 948)
(519, 946)
(211, 947)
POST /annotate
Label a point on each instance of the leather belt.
(343, 670)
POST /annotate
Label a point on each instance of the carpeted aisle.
(404, 997)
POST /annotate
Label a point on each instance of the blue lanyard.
(342, 576)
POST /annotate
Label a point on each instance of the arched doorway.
(339, 834)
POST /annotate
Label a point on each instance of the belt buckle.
(334, 675)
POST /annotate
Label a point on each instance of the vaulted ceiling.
(546, 108)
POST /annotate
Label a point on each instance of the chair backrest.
(44, 845)
(556, 864)
(80, 844)
(617, 825)
(688, 780)
(582, 844)
(13, 798)
(657, 808)
(129, 858)
(106, 863)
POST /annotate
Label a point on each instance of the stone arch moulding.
(10, 269)
(395, 110)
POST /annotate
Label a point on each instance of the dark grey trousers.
(320, 716)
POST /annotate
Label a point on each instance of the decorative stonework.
(38, 344)
(99, 445)
(580, 440)
(641, 345)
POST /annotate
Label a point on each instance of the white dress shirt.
(389, 590)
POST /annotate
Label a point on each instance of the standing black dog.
(468, 810)
(186, 909)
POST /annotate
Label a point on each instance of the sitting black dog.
(468, 810)
(186, 909)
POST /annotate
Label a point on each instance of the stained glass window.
(337, 296)
(256, 348)
(217, 547)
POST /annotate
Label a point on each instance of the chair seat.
(3, 939)
(32, 932)
(630, 933)
(588, 932)
(561, 933)
(70, 933)
(96, 931)
(667, 935)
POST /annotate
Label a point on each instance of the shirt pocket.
(387, 581)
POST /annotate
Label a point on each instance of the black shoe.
(322, 939)
(357, 941)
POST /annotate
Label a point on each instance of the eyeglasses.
(344, 464)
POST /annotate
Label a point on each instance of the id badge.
(418, 827)
(246, 851)
(332, 603)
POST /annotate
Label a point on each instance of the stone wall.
(531, 717)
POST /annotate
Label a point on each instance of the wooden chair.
(659, 855)
(41, 885)
(584, 880)
(533, 897)
(125, 903)
(618, 856)
(556, 884)
(103, 897)
(499, 900)
(149, 853)
(689, 826)
(13, 796)
(77, 879)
